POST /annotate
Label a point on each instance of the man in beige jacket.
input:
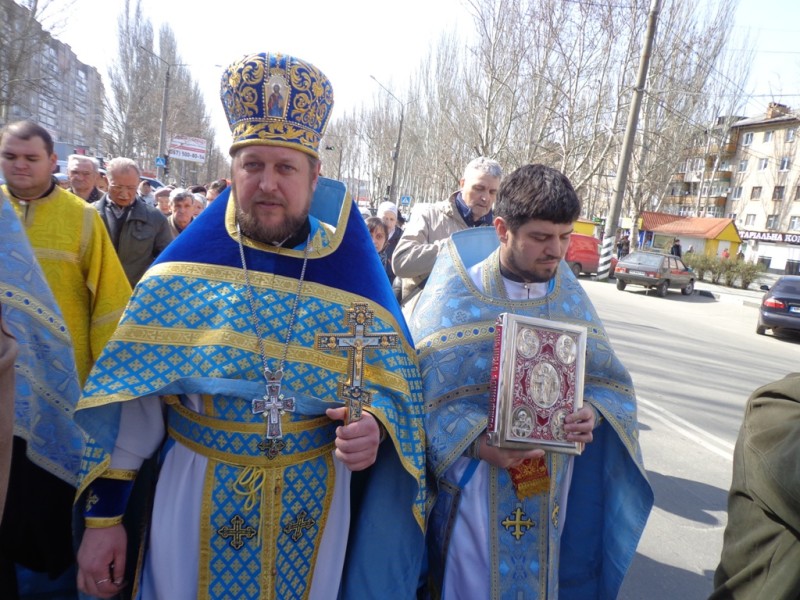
(431, 225)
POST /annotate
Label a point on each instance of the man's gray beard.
(254, 230)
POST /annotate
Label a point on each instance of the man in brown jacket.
(431, 225)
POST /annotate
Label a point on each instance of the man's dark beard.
(268, 235)
(524, 276)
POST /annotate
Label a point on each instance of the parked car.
(655, 271)
(583, 254)
(780, 307)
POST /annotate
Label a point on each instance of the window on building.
(797, 193)
(750, 220)
(777, 192)
(747, 139)
(794, 223)
(768, 136)
(743, 165)
(785, 162)
(762, 163)
(714, 211)
(732, 216)
(80, 82)
(790, 133)
(772, 221)
(755, 192)
(737, 192)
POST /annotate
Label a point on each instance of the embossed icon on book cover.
(537, 380)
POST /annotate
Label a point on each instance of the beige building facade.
(748, 170)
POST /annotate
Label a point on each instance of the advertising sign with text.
(188, 148)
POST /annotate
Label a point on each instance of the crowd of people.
(286, 399)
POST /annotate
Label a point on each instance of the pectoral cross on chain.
(352, 391)
(273, 404)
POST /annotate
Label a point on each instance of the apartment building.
(44, 81)
(764, 199)
(748, 170)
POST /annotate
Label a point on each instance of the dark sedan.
(656, 271)
(780, 307)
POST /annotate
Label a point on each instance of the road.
(694, 362)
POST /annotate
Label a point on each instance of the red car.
(583, 254)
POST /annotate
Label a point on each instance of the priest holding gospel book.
(510, 523)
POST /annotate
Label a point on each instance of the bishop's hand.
(101, 561)
(357, 442)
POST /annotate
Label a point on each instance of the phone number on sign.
(185, 155)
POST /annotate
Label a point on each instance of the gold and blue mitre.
(276, 100)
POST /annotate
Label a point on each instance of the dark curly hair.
(536, 192)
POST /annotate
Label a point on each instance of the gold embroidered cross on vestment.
(517, 523)
(295, 528)
(237, 532)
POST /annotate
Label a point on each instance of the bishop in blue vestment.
(247, 334)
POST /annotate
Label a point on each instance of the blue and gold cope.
(47, 387)
(609, 499)
(277, 100)
(188, 329)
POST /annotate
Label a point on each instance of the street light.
(396, 153)
(162, 134)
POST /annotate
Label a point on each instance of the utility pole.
(162, 134)
(626, 151)
(396, 153)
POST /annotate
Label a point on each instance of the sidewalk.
(749, 297)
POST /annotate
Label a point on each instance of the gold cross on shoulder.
(355, 343)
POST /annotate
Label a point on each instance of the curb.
(744, 300)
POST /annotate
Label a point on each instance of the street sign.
(405, 200)
(160, 162)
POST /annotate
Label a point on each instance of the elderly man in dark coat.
(138, 231)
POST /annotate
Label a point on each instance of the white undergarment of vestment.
(173, 556)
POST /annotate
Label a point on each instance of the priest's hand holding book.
(578, 427)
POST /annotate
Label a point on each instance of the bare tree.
(683, 87)
(131, 112)
(137, 81)
(550, 81)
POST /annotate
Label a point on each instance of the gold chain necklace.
(273, 403)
